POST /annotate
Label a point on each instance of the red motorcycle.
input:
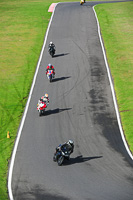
(41, 108)
(50, 74)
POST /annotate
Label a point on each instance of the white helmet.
(49, 65)
(70, 142)
(51, 42)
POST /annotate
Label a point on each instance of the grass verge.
(117, 27)
(23, 24)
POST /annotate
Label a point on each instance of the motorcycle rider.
(68, 145)
(51, 45)
(50, 67)
(44, 99)
(82, 2)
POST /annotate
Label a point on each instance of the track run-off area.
(82, 109)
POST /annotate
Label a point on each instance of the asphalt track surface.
(81, 108)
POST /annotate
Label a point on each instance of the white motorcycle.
(41, 107)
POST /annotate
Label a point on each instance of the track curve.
(81, 108)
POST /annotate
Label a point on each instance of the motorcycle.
(41, 108)
(59, 156)
(50, 74)
(82, 2)
(52, 51)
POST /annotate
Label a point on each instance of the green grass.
(22, 28)
(116, 22)
(23, 25)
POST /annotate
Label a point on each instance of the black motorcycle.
(51, 51)
(60, 155)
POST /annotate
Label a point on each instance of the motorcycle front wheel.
(54, 158)
(40, 113)
(50, 79)
(60, 160)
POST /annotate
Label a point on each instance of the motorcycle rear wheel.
(52, 54)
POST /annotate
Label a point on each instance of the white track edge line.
(113, 91)
(25, 113)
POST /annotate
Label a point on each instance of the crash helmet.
(46, 96)
(50, 66)
(70, 142)
(51, 43)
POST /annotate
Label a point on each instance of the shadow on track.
(62, 54)
(79, 159)
(55, 111)
(60, 79)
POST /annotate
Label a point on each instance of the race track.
(81, 108)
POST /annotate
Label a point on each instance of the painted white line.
(113, 91)
(24, 115)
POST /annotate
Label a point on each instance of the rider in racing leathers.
(44, 99)
(69, 146)
(82, 2)
(50, 67)
(51, 45)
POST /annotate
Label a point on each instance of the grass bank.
(117, 31)
(23, 24)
